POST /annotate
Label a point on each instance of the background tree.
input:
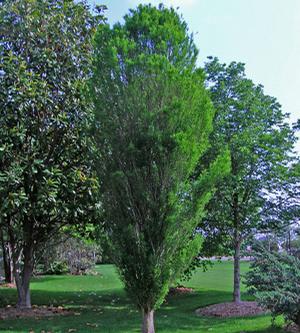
(45, 174)
(274, 280)
(153, 118)
(261, 144)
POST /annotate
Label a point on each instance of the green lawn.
(101, 302)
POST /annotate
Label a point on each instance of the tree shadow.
(47, 278)
(111, 311)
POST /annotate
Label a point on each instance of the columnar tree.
(153, 118)
(45, 174)
(261, 144)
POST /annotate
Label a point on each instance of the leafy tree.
(261, 144)
(274, 280)
(45, 175)
(153, 118)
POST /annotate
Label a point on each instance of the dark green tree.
(261, 144)
(45, 173)
(274, 280)
(153, 119)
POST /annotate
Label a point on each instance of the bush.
(71, 255)
(80, 256)
(57, 268)
(274, 279)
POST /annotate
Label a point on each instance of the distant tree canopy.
(46, 181)
(153, 119)
(261, 144)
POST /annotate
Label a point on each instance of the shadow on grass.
(48, 278)
(111, 311)
(179, 313)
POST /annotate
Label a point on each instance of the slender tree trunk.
(7, 253)
(7, 276)
(7, 260)
(298, 319)
(8, 264)
(237, 273)
(148, 321)
(237, 244)
(11, 266)
(289, 251)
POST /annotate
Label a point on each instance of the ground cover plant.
(100, 304)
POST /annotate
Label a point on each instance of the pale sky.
(264, 34)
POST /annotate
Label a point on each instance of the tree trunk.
(148, 321)
(7, 263)
(237, 244)
(11, 266)
(297, 321)
(24, 300)
(7, 260)
(237, 273)
(289, 249)
(23, 279)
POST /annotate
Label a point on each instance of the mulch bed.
(231, 309)
(179, 290)
(11, 312)
(7, 285)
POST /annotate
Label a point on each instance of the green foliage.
(153, 119)
(67, 254)
(46, 180)
(261, 144)
(258, 193)
(57, 268)
(274, 281)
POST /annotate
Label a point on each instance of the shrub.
(274, 279)
(57, 268)
(71, 255)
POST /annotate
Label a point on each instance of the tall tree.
(153, 118)
(261, 144)
(45, 177)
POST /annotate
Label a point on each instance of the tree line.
(119, 128)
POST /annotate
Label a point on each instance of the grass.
(101, 305)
